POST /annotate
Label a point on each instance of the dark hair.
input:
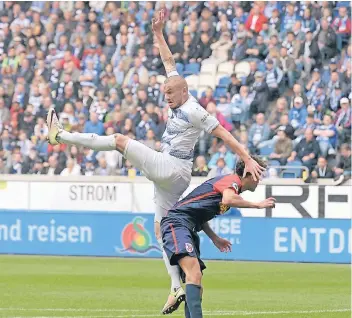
(241, 165)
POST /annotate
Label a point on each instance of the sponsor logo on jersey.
(223, 208)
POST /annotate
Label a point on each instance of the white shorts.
(171, 176)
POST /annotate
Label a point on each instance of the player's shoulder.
(231, 181)
(191, 105)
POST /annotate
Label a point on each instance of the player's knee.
(194, 277)
(121, 142)
(157, 230)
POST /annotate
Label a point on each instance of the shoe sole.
(175, 306)
(49, 121)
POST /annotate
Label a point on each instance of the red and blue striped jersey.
(205, 201)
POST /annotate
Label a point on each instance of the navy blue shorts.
(179, 241)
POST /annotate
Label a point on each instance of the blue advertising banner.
(131, 235)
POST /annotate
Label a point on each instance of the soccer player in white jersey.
(169, 170)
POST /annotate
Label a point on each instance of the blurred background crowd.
(276, 74)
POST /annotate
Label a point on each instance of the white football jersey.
(183, 128)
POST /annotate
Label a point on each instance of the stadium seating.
(208, 68)
(191, 69)
(226, 68)
(192, 81)
(207, 80)
(266, 151)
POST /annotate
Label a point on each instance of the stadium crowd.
(96, 63)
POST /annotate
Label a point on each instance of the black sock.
(193, 300)
(187, 314)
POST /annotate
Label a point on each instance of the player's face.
(252, 184)
(172, 97)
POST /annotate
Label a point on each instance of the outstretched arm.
(230, 198)
(251, 165)
(222, 244)
(165, 53)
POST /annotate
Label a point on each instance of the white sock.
(92, 141)
(173, 271)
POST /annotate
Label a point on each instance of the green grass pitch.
(35, 286)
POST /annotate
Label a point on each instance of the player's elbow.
(226, 201)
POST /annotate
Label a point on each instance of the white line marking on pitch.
(206, 313)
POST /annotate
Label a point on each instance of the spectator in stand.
(255, 20)
(207, 98)
(212, 110)
(309, 54)
(326, 136)
(343, 166)
(72, 169)
(220, 169)
(258, 132)
(129, 170)
(145, 124)
(306, 151)
(224, 153)
(274, 115)
(202, 50)
(322, 170)
(240, 48)
(51, 167)
(240, 104)
(256, 52)
(298, 113)
(200, 169)
(273, 79)
(318, 100)
(261, 94)
(308, 22)
(343, 119)
(4, 112)
(220, 49)
(342, 27)
(283, 147)
(310, 124)
(288, 66)
(224, 107)
(103, 169)
(175, 47)
(233, 87)
(326, 40)
(94, 126)
(297, 91)
(289, 19)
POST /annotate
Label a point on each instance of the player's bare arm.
(234, 200)
(165, 53)
(222, 244)
(251, 165)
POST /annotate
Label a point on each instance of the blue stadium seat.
(191, 69)
(342, 4)
(274, 163)
(262, 67)
(194, 93)
(292, 173)
(266, 151)
(220, 91)
(225, 81)
(294, 163)
(179, 68)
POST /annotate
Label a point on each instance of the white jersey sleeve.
(201, 119)
(172, 73)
